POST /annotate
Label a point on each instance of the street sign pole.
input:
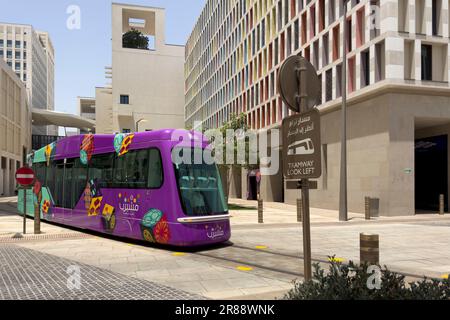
(24, 210)
(299, 87)
(343, 210)
(25, 177)
(302, 77)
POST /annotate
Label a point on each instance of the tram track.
(238, 254)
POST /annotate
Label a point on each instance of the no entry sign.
(25, 176)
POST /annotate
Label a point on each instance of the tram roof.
(69, 147)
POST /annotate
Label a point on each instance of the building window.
(1, 43)
(9, 43)
(339, 81)
(17, 55)
(1, 53)
(9, 54)
(329, 85)
(17, 44)
(427, 64)
(17, 66)
(124, 99)
(365, 68)
(380, 53)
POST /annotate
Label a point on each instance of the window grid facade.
(237, 46)
(30, 54)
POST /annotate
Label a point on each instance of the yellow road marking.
(242, 268)
(178, 254)
(261, 247)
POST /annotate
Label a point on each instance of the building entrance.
(431, 173)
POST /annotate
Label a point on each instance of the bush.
(364, 282)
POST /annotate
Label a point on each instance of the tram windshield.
(200, 187)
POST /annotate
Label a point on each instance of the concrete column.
(445, 19)
(2, 178)
(428, 17)
(358, 71)
(235, 182)
(412, 16)
(418, 60)
(395, 58)
(244, 186)
(388, 15)
(372, 63)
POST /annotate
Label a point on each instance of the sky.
(82, 54)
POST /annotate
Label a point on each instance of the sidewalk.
(11, 226)
(281, 213)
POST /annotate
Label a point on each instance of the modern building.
(86, 109)
(30, 54)
(397, 84)
(15, 128)
(146, 84)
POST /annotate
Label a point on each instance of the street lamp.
(343, 210)
(137, 123)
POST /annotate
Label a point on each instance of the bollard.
(369, 248)
(367, 207)
(260, 211)
(299, 210)
(441, 204)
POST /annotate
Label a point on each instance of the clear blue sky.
(81, 55)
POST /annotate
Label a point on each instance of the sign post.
(25, 178)
(299, 88)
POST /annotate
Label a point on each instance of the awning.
(42, 117)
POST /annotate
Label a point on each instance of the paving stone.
(26, 274)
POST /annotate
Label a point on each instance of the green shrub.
(361, 282)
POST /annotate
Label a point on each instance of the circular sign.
(289, 83)
(25, 176)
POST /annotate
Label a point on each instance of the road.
(260, 262)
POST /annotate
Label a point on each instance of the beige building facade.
(145, 83)
(86, 109)
(397, 85)
(15, 128)
(30, 54)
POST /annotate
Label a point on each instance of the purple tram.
(127, 185)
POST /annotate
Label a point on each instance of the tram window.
(79, 180)
(130, 170)
(59, 183)
(68, 172)
(155, 170)
(39, 169)
(50, 178)
(101, 170)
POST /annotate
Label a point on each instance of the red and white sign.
(25, 176)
